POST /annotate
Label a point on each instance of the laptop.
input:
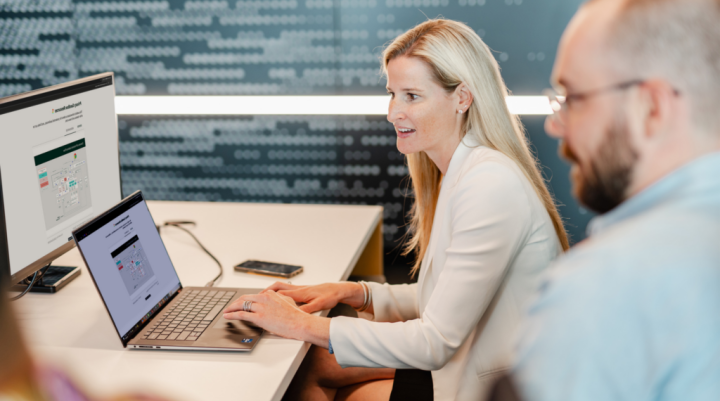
(142, 292)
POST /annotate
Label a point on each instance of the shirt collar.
(699, 174)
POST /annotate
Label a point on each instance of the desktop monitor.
(59, 168)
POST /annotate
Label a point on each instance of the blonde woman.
(484, 227)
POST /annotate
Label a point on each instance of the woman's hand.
(323, 296)
(278, 314)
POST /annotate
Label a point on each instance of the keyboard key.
(153, 336)
(173, 336)
(162, 337)
(191, 338)
(213, 312)
(183, 336)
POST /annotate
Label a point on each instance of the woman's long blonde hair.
(455, 55)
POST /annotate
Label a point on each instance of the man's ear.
(658, 98)
(465, 97)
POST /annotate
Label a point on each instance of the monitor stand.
(55, 278)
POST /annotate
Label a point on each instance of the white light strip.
(529, 105)
(287, 105)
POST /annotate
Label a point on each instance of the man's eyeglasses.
(560, 104)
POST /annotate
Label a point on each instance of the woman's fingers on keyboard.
(297, 295)
(310, 308)
(239, 303)
(280, 285)
(240, 315)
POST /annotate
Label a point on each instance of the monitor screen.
(59, 167)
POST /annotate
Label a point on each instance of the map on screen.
(132, 264)
(62, 175)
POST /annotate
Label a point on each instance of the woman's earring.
(460, 111)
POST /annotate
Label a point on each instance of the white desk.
(72, 328)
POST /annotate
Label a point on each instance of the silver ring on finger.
(247, 305)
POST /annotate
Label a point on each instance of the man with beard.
(633, 312)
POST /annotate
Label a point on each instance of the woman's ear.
(465, 97)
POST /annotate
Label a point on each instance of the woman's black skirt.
(412, 384)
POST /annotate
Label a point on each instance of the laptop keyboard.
(188, 318)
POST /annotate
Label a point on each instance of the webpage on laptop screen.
(129, 264)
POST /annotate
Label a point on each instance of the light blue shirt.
(633, 313)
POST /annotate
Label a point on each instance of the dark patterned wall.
(269, 47)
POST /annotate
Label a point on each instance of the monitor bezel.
(70, 244)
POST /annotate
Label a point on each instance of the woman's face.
(424, 114)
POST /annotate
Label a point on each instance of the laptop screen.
(129, 264)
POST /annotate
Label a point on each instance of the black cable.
(41, 272)
(178, 224)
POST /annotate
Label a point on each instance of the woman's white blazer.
(491, 239)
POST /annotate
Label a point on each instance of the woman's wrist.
(317, 331)
(352, 294)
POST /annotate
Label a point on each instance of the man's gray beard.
(604, 187)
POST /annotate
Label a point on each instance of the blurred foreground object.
(24, 379)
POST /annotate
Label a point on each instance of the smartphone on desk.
(269, 268)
